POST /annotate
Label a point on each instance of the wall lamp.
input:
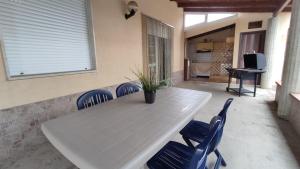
(131, 9)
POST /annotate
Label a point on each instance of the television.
(255, 61)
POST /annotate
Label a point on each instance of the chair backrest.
(199, 159)
(214, 136)
(210, 142)
(92, 98)
(126, 88)
(223, 112)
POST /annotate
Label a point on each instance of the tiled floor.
(254, 138)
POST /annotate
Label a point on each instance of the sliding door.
(157, 39)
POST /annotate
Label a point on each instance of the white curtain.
(158, 39)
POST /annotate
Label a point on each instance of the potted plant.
(149, 85)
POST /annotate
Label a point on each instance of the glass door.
(158, 46)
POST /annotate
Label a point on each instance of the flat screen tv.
(255, 61)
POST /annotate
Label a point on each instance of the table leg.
(229, 81)
(241, 86)
(255, 83)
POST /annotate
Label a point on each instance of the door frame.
(264, 32)
(145, 49)
(240, 42)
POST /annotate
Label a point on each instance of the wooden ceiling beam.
(220, 1)
(230, 9)
(287, 9)
(223, 4)
(282, 7)
(274, 6)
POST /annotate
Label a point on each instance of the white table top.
(123, 133)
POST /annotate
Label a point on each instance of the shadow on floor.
(254, 137)
(290, 134)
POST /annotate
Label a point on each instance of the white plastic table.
(123, 133)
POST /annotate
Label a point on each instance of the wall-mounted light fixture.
(131, 9)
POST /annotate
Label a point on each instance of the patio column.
(291, 68)
(271, 45)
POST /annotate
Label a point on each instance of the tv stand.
(243, 74)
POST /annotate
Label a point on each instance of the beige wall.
(241, 22)
(118, 50)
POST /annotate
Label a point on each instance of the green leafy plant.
(149, 83)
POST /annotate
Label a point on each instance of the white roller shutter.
(46, 36)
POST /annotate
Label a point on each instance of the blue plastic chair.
(92, 98)
(178, 156)
(197, 131)
(126, 88)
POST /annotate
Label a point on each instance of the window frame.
(235, 14)
(204, 21)
(92, 49)
(232, 15)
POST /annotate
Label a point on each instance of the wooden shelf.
(199, 51)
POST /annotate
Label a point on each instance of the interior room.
(149, 84)
(210, 54)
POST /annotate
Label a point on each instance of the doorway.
(157, 47)
(210, 54)
(159, 59)
(251, 42)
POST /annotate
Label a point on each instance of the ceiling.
(234, 5)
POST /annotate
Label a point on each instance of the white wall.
(283, 27)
